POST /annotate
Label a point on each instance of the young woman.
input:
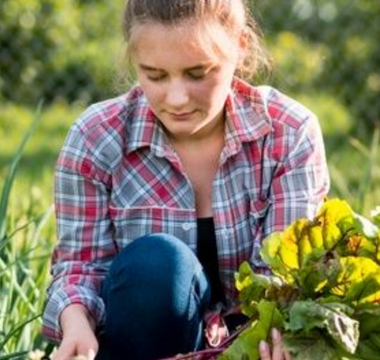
(162, 192)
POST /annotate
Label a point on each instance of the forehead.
(187, 44)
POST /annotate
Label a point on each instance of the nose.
(177, 94)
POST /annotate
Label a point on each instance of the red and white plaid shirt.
(118, 178)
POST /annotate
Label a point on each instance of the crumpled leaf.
(314, 347)
(331, 318)
(247, 346)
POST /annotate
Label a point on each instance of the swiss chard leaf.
(247, 344)
(333, 319)
(253, 287)
(313, 347)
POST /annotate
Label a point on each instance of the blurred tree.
(70, 49)
(335, 42)
(48, 50)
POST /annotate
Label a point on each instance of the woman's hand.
(78, 334)
(277, 352)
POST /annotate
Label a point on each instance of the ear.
(243, 46)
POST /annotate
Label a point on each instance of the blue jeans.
(155, 295)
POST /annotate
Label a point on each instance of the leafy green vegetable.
(248, 344)
(324, 292)
(308, 315)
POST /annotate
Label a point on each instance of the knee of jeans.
(155, 252)
(157, 274)
(157, 261)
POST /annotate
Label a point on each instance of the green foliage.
(298, 62)
(326, 287)
(50, 49)
(35, 172)
(4, 199)
(330, 46)
(249, 339)
(23, 252)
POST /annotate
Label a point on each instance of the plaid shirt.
(118, 178)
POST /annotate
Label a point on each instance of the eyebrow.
(151, 68)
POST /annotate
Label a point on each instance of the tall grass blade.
(18, 328)
(9, 179)
(17, 355)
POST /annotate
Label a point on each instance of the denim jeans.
(155, 295)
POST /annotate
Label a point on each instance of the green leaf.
(280, 253)
(16, 355)
(368, 316)
(252, 288)
(365, 291)
(367, 350)
(314, 347)
(332, 215)
(246, 346)
(305, 316)
(319, 274)
(353, 278)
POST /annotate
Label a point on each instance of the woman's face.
(185, 84)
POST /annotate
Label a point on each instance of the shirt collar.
(143, 127)
(246, 120)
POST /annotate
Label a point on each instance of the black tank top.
(208, 257)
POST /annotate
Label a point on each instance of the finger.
(278, 352)
(91, 354)
(88, 349)
(264, 350)
(88, 352)
(64, 352)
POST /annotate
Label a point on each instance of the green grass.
(27, 229)
(35, 172)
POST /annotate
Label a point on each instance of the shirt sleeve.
(85, 243)
(300, 179)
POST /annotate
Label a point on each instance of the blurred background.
(69, 53)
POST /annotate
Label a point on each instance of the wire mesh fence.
(68, 49)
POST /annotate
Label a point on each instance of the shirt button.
(186, 226)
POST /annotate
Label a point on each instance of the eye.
(156, 77)
(201, 72)
(197, 75)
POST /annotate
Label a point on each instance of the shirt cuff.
(62, 298)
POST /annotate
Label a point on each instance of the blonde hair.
(232, 15)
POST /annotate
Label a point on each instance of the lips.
(180, 116)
